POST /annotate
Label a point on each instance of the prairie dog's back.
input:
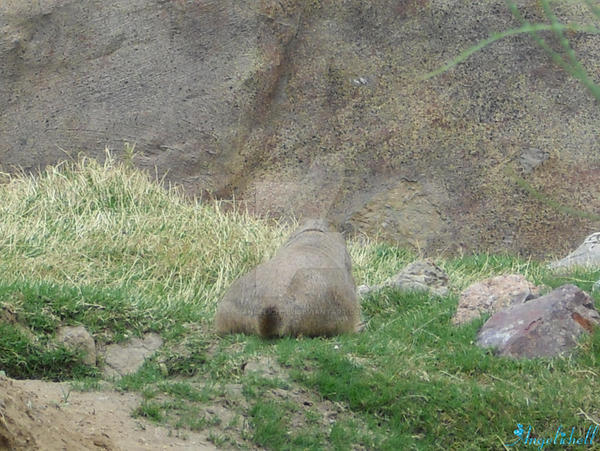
(306, 288)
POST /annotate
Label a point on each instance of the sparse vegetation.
(565, 57)
(105, 246)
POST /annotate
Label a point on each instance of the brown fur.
(269, 321)
(305, 289)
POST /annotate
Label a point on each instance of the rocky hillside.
(319, 107)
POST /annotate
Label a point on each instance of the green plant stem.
(575, 70)
(573, 67)
(547, 200)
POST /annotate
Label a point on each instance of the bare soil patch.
(38, 415)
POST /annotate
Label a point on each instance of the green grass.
(26, 357)
(150, 410)
(270, 424)
(105, 246)
(422, 384)
(94, 224)
(108, 313)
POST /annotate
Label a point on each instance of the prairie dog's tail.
(269, 321)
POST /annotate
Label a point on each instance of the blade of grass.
(526, 28)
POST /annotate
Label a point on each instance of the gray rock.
(363, 290)
(532, 158)
(78, 338)
(265, 366)
(126, 358)
(543, 327)
(421, 275)
(492, 295)
(586, 255)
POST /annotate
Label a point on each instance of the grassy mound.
(106, 246)
(108, 225)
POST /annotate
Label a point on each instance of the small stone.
(126, 358)
(362, 290)
(587, 255)
(360, 81)
(421, 275)
(78, 338)
(532, 158)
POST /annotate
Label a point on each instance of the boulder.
(126, 358)
(543, 327)
(587, 255)
(492, 295)
(305, 289)
(421, 275)
(78, 338)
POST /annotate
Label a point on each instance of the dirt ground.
(48, 416)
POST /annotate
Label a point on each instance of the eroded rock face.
(492, 295)
(257, 99)
(543, 327)
(587, 255)
(181, 80)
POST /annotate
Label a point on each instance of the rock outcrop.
(543, 327)
(246, 99)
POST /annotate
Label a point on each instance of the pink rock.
(492, 295)
(542, 327)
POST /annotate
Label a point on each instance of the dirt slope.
(37, 415)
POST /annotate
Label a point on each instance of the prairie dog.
(305, 289)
